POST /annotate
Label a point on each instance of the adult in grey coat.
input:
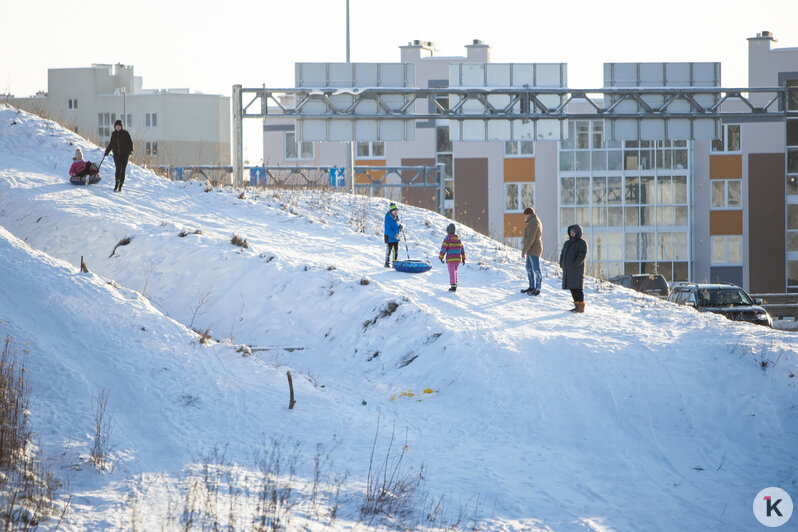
(572, 262)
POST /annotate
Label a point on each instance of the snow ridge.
(554, 419)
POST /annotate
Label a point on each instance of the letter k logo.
(772, 507)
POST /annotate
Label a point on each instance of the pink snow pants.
(453, 271)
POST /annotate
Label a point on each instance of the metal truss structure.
(366, 177)
(635, 105)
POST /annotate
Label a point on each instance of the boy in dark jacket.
(572, 262)
(122, 146)
(454, 252)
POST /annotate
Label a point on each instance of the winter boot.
(527, 290)
(453, 288)
(576, 307)
(580, 307)
(535, 292)
(387, 264)
(116, 186)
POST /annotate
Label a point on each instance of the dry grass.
(28, 489)
(124, 242)
(101, 450)
(239, 241)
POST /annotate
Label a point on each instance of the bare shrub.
(101, 450)
(28, 489)
(204, 336)
(124, 242)
(390, 487)
(183, 233)
(386, 311)
(239, 241)
(203, 300)
(365, 281)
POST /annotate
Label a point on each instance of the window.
(792, 272)
(726, 194)
(151, 148)
(729, 140)
(441, 104)
(519, 148)
(127, 120)
(371, 150)
(792, 161)
(518, 196)
(104, 125)
(73, 104)
(792, 216)
(151, 120)
(792, 132)
(727, 250)
(443, 155)
(295, 150)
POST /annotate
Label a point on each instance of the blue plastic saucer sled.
(412, 266)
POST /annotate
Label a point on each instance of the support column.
(350, 167)
(238, 136)
(441, 189)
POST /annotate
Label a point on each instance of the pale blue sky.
(209, 46)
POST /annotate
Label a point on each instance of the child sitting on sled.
(454, 252)
(83, 172)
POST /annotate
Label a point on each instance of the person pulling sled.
(122, 147)
(392, 230)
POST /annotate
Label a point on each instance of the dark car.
(648, 283)
(726, 299)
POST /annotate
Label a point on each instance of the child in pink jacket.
(454, 252)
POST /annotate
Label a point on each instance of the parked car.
(648, 283)
(726, 299)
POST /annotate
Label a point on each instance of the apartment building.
(168, 126)
(723, 210)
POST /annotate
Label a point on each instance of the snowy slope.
(554, 421)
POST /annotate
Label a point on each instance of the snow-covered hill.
(638, 415)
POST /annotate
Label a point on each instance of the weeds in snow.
(101, 449)
(239, 241)
(124, 242)
(28, 489)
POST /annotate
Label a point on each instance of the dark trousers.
(121, 164)
(578, 295)
(391, 246)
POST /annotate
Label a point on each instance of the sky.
(210, 46)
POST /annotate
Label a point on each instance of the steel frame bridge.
(517, 103)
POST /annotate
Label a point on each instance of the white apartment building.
(168, 126)
(720, 211)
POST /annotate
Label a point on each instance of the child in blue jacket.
(392, 229)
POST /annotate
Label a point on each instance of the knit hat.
(529, 210)
(118, 123)
(450, 229)
(393, 207)
(78, 155)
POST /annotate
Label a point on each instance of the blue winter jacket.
(391, 228)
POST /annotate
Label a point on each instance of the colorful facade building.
(723, 210)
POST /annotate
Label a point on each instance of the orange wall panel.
(513, 225)
(725, 166)
(375, 174)
(726, 222)
(519, 170)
